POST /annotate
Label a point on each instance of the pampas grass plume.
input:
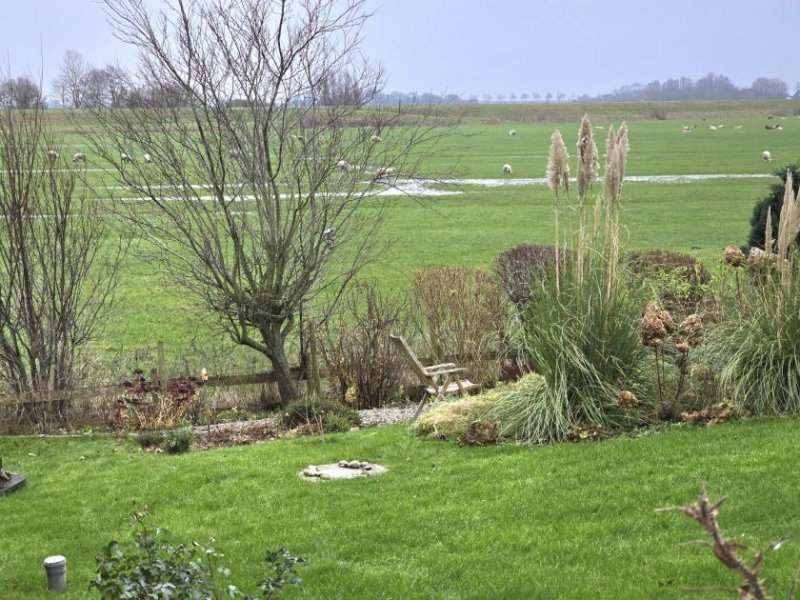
(588, 165)
(558, 164)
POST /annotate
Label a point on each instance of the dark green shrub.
(331, 415)
(178, 441)
(772, 201)
(149, 439)
(680, 281)
(152, 566)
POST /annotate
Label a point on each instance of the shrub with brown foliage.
(461, 314)
(363, 369)
(523, 269)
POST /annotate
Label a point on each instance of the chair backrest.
(402, 345)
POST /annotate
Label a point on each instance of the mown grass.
(561, 521)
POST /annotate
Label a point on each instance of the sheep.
(738, 127)
(600, 127)
(767, 156)
(687, 128)
(712, 127)
(125, 158)
(52, 155)
(147, 158)
(78, 157)
(375, 139)
(720, 126)
(513, 132)
(203, 375)
(385, 171)
(507, 169)
(772, 127)
(343, 165)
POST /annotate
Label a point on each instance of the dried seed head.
(692, 329)
(734, 256)
(588, 164)
(682, 346)
(627, 399)
(705, 374)
(558, 164)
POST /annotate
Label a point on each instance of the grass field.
(472, 227)
(561, 521)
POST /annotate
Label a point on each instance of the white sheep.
(147, 158)
(343, 165)
(385, 171)
(687, 128)
(767, 156)
(52, 155)
(512, 132)
(712, 127)
(507, 169)
(375, 139)
(78, 157)
(125, 158)
(738, 127)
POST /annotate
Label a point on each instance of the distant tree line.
(710, 87)
(79, 84)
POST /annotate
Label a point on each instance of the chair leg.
(418, 412)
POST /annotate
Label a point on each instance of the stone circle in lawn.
(344, 469)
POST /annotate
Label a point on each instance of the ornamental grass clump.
(755, 351)
(580, 331)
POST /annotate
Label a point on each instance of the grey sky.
(484, 47)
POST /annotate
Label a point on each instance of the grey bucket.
(56, 569)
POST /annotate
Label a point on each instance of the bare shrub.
(461, 314)
(523, 269)
(363, 369)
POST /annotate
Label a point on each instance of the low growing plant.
(319, 415)
(153, 566)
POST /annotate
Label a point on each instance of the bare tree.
(53, 289)
(20, 92)
(265, 194)
(71, 79)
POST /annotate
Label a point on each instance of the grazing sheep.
(78, 157)
(767, 156)
(712, 127)
(507, 169)
(125, 158)
(343, 165)
(385, 171)
(600, 127)
(147, 158)
(512, 132)
(52, 155)
(772, 127)
(720, 126)
(687, 128)
(375, 139)
(738, 127)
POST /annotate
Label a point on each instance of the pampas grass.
(557, 178)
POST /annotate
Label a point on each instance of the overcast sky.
(489, 47)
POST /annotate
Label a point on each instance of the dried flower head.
(616, 157)
(789, 224)
(627, 399)
(651, 329)
(682, 346)
(588, 164)
(558, 164)
(705, 374)
(734, 256)
(759, 260)
(691, 328)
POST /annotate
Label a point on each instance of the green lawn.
(562, 521)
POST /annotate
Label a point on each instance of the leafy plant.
(152, 566)
(771, 203)
(679, 281)
(320, 414)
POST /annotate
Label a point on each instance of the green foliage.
(152, 566)
(319, 413)
(178, 441)
(771, 202)
(680, 282)
(755, 350)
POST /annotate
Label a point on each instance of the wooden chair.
(438, 379)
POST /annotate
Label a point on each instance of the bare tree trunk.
(273, 339)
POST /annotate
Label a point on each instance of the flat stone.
(12, 485)
(335, 471)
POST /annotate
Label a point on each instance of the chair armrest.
(445, 371)
(441, 366)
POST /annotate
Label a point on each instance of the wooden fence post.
(161, 374)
